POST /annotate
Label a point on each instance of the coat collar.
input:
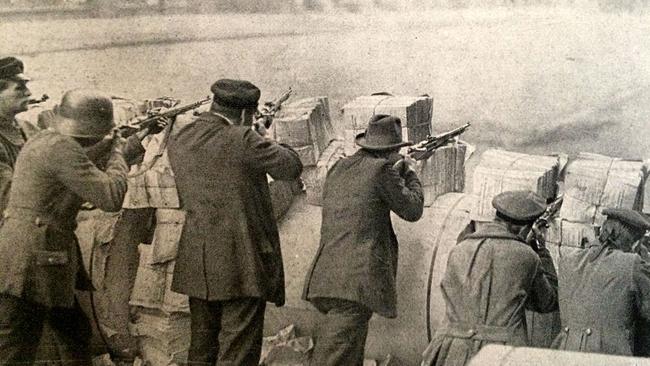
(10, 130)
(211, 117)
(494, 230)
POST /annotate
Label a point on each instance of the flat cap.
(237, 94)
(519, 206)
(12, 68)
(628, 217)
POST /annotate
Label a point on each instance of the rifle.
(424, 149)
(535, 238)
(170, 113)
(551, 209)
(270, 109)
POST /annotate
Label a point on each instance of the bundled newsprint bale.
(151, 183)
(500, 171)
(414, 112)
(594, 182)
(313, 177)
(306, 126)
(169, 225)
(152, 287)
(443, 172)
(161, 317)
(424, 247)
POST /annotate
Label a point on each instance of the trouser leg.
(21, 326)
(73, 333)
(340, 333)
(205, 326)
(240, 339)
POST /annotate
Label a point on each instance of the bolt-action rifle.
(270, 109)
(170, 113)
(424, 149)
(536, 237)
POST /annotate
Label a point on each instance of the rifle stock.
(136, 126)
(270, 109)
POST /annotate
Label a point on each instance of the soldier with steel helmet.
(492, 276)
(605, 289)
(40, 259)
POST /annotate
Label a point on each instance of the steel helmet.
(84, 113)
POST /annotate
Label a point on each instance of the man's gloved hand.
(536, 238)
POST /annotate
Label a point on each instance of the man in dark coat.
(492, 276)
(40, 259)
(14, 99)
(354, 272)
(229, 261)
(605, 289)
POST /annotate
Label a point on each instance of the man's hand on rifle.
(259, 127)
(155, 127)
(405, 164)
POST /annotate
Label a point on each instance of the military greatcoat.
(40, 258)
(491, 278)
(229, 246)
(604, 295)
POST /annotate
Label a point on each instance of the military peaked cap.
(628, 217)
(12, 68)
(237, 94)
(521, 207)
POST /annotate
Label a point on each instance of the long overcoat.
(12, 140)
(604, 294)
(40, 258)
(357, 257)
(229, 246)
(491, 278)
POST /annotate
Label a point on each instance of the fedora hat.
(384, 132)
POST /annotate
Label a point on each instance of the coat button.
(588, 331)
(566, 329)
(471, 332)
(50, 260)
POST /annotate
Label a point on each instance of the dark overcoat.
(491, 278)
(604, 295)
(229, 246)
(12, 140)
(357, 257)
(40, 258)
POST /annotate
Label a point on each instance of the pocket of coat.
(51, 258)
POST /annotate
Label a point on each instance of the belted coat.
(492, 276)
(604, 295)
(40, 258)
(357, 257)
(229, 246)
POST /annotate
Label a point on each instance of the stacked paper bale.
(161, 319)
(314, 177)
(443, 172)
(500, 171)
(414, 112)
(306, 126)
(592, 183)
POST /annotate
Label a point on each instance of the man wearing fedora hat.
(354, 272)
(492, 276)
(14, 99)
(229, 261)
(40, 259)
(605, 290)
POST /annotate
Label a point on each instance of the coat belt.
(30, 215)
(479, 332)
